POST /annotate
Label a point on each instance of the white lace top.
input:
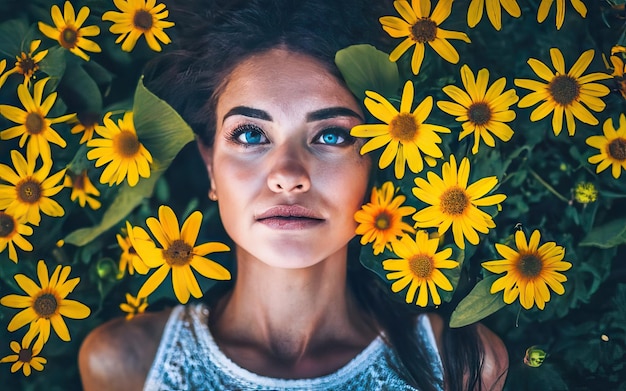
(189, 359)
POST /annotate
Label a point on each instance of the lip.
(289, 217)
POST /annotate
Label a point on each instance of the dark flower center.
(383, 221)
(25, 355)
(479, 113)
(26, 65)
(617, 149)
(7, 225)
(69, 36)
(79, 181)
(127, 143)
(34, 123)
(530, 266)
(564, 89)
(45, 305)
(424, 30)
(454, 201)
(29, 191)
(403, 127)
(421, 265)
(178, 253)
(143, 20)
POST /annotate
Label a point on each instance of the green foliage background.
(583, 331)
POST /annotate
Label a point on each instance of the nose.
(288, 173)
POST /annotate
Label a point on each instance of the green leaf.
(608, 235)
(54, 63)
(164, 133)
(478, 304)
(366, 68)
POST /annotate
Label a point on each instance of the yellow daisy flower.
(83, 190)
(86, 123)
(68, 30)
(529, 271)
(27, 63)
(564, 92)
(494, 11)
(419, 27)
(483, 111)
(129, 259)
(31, 190)
(454, 203)
(45, 305)
(178, 254)
(380, 220)
(137, 18)
(612, 147)
(404, 133)
(33, 126)
(544, 9)
(618, 74)
(25, 357)
(120, 149)
(11, 231)
(134, 306)
(419, 266)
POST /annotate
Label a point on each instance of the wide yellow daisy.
(419, 27)
(27, 63)
(30, 190)
(26, 357)
(618, 74)
(482, 111)
(380, 220)
(612, 147)
(137, 18)
(134, 306)
(494, 11)
(68, 30)
(544, 9)
(11, 231)
(404, 132)
(454, 203)
(86, 124)
(120, 149)
(129, 259)
(565, 92)
(83, 190)
(34, 127)
(419, 265)
(530, 270)
(178, 254)
(45, 305)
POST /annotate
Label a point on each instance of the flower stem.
(547, 186)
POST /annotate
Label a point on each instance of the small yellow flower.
(612, 146)
(134, 306)
(420, 26)
(404, 132)
(529, 271)
(83, 190)
(419, 266)
(544, 9)
(11, 231)
(27, 63)
(25, 357)
(137, 18)
(86, 123)
(618, 74)
(68, 30)
(494, 11)
(585, 193)
(380, 220)
(129, 259)
(122, 152)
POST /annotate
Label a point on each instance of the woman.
(257, 82)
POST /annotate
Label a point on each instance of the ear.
(207, 156)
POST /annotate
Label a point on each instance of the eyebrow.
(318, 115)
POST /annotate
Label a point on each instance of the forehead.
(280, 79)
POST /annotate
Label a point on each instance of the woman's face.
(287, 173)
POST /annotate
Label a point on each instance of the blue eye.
(249, 134)
(334, 136)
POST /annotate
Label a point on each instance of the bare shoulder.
(117, 355)
(495, 360)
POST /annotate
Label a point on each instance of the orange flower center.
(25, 355)
(34, 123)
(69, 36)
(143, 20)
(178, 253)
(45, 305)
(421, 265)
(403, 127)
(29, 191)
(564, 89)
(126, 143)
(26, 65)
(529, 265)
(424, 30)
(454, 201)
(479, 113)
(7, 225)
(617, 149)
(383, 221)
